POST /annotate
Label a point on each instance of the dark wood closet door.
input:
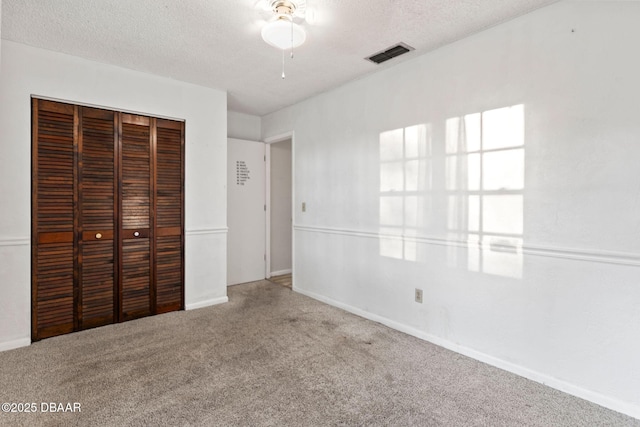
(169, 215)
(107, 217)
(136, 221)
(97, 197)
(53, 201)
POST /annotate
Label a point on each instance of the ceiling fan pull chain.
(283, 64)
(292, 37)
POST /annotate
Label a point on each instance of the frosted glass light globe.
(278, 34)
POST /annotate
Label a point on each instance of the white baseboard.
(206, 303)
(10, 345)
(280, 272)
(597, 398)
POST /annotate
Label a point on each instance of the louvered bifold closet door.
(169, 215)
(97, 198)
(54, 195)
(136, 232)
(107, 217)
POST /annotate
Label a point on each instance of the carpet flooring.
(272, 357)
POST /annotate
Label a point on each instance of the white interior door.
(246, 216)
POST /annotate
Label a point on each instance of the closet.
(107, 217)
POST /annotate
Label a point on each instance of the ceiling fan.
(282, 31)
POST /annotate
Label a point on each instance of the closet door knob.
(98, 235)
(136, 233)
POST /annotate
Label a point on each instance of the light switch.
(304, 206)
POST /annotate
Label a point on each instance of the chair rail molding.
(577, 254)
(206, 231)
(15, 241)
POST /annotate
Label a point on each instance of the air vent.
(390, 53)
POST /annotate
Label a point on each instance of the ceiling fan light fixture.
(282, 33)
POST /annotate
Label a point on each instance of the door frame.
(268, 141)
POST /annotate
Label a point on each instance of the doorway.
(260, 210)
(280, 210)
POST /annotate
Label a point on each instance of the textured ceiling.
(217, 43)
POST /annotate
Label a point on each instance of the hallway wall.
(243, 126)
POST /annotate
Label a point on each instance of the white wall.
(29, 71)
(556, 300)
(243, 126)
(0, 34)
(280, 218)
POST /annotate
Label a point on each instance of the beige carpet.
(272, 357)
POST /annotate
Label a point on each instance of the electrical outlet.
(418, 295)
